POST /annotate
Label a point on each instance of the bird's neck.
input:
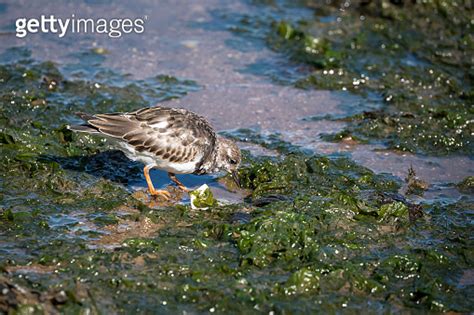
(211, 162)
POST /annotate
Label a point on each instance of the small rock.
(60, 297)
(416, 186)
(240, 218)
(265, 200)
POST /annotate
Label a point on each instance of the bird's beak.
(235, 177)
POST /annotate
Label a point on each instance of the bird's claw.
(185, 189)
(161, 193)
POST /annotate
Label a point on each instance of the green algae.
(324, 233)
(416, 56)
(202, 198)
(354, 249)
(326, 249)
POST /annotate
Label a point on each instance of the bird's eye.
(232, 161)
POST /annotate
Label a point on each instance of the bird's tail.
(86, 127)
(84, 116)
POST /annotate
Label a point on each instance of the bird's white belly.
(149, 158)
(177, 168)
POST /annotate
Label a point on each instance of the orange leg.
(165, 194)
(177, 182)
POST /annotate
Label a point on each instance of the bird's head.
(228, 157)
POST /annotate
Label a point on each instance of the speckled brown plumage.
(175, 140)
(159, 131)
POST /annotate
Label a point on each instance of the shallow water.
(244, 88)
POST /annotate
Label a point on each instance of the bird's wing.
(176, 135)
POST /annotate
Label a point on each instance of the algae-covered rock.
(396, 210)
(302, 281)
(283, 236)
(467, 185)
(415, 185)
(318, 175)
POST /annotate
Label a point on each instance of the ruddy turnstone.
(174, 140)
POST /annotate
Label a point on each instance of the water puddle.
(219, 189)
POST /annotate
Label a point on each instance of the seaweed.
(316, 233)
(416, 56)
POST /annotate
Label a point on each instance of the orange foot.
(155, 193)
(177, 182)
(160, 193)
